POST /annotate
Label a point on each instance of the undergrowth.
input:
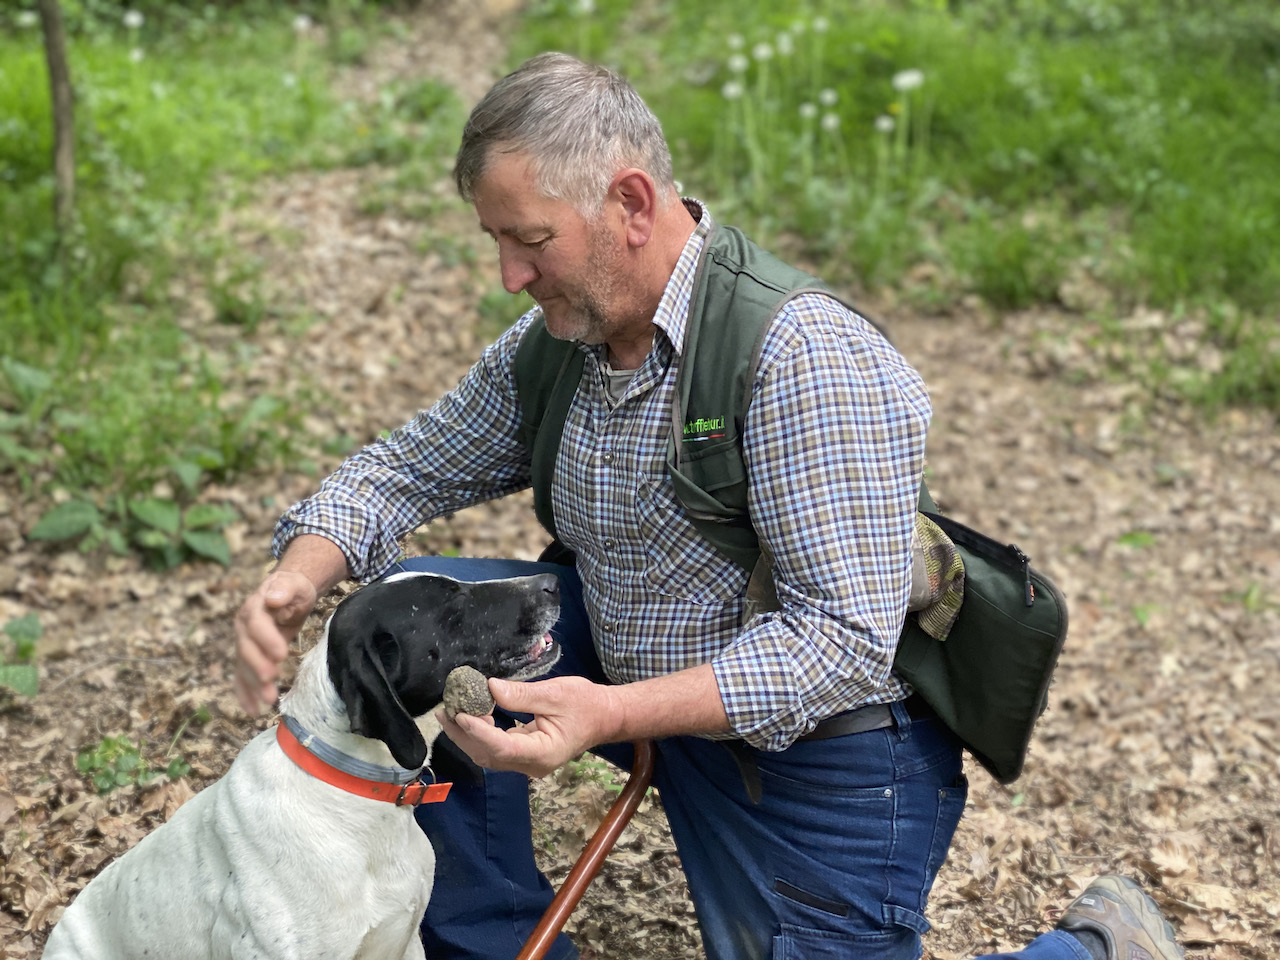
(996, 147)
(111, 397)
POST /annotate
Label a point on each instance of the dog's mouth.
(534, 662)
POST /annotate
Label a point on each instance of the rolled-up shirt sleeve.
(834, 444)
(460, 452)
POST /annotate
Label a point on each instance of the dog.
(273, 862)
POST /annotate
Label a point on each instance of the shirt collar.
(672, 316)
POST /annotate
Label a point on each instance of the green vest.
(989, 681)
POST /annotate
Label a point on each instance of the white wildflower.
(302, 23)
(731, 90)
(136, 55)
(133, 19)
(885, 123)
(820, 24)
(738, 63)
(785, 43)
(906, 80)
(735, 41)
(289, 80)
(27, 19)
(586, 7)
(828, 97)
(831, 122)
(762, 51)
(808, 110)
(798, 26)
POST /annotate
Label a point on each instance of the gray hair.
(578, 123)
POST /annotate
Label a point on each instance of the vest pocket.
(713, 467)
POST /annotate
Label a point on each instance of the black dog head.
(393, 643)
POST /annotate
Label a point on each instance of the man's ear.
(373, 707)
(637, 198)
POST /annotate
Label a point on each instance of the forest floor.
(1159, 756)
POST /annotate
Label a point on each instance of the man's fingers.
(253, 696)
(288, 598)
(255, 676)
(261, 656)
(259, 640)
(522, 749)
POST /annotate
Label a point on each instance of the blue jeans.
(836, 860)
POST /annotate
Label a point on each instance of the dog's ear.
(373, 707)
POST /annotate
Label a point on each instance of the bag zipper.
(1028, 588)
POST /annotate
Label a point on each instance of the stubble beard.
(586, 309)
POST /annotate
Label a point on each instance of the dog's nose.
(549, 584)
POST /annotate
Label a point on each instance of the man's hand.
(571, 715)
(268, 621)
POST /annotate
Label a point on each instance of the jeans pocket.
(950, 809)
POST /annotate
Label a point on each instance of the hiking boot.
(1125, 917)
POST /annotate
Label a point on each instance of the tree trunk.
(64, 156)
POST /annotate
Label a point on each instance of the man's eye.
(537, 244)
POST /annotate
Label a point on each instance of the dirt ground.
(1158, 758)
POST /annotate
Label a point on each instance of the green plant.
(1137, 539)
(117, 762)
(413, 123)
(1256, 599)
(588, 769)
(1142, 612)
(1012, 264)
(160, 528)
(236, 293)
(17, 665)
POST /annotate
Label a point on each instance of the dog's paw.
(466, 691)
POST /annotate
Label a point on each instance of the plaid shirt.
(834, 443)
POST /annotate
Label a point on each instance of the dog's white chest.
(267, 862)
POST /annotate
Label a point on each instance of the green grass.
(1137, 140)
(107, 391)
(102, 390)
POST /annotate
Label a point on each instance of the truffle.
(466, 691)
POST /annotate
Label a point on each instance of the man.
(811, 798)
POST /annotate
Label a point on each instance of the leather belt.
(872, 716)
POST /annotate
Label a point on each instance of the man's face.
(570, 266)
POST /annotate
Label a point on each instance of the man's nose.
(517, 272)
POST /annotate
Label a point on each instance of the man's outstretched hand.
(267, 622)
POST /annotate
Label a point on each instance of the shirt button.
(607, 457)
(607, 626)
(610, 543)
